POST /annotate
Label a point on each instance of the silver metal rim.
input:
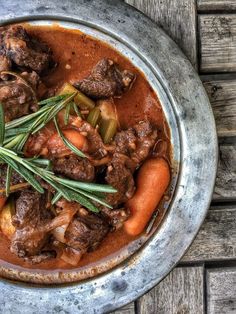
(194, 130)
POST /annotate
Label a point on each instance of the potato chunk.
(6, 214)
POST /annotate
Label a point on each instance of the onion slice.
(66, 215)
(71, 256)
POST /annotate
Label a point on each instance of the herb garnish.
(12, 143)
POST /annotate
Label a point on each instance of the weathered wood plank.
(177, 18)
(208, 5)
(225, 186)
(180, 292)
(221, 291)
(218, 42)
(222, 94)
(128, 309)
(216, 239)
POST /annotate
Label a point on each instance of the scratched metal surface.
(185, 102)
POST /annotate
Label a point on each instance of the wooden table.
(205, 279)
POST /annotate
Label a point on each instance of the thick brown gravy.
(76, 54)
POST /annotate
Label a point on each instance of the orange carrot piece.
(152, 181)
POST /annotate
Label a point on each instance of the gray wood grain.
(222, 95)
(177, 18)
(216, 239)
(221, 291)
(180, 292)
(218, 42)
(225, 185)
(128, 309)
(208, 5)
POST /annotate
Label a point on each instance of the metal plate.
(193, 135)
(107, 263)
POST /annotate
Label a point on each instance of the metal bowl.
(194, 141)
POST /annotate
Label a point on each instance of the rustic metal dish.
(194, 141)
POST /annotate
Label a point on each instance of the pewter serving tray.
(194, 142)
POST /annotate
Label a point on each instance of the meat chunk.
(115, 217)
(5, 63)
(32, 78)
(146, 138)
(96, 147)
(126, 142)
(86, 231)
(29, 237)
(23, 50)
(106, 80)
(30, 209)
(121, 178)
(74, 168)
(132, 147)
(28, 242)
(33, 223)
(136, 142)
(17, 98)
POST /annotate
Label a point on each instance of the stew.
(84, 148)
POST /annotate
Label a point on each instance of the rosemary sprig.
(71, 190)
(31, 168)
(12, 159)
